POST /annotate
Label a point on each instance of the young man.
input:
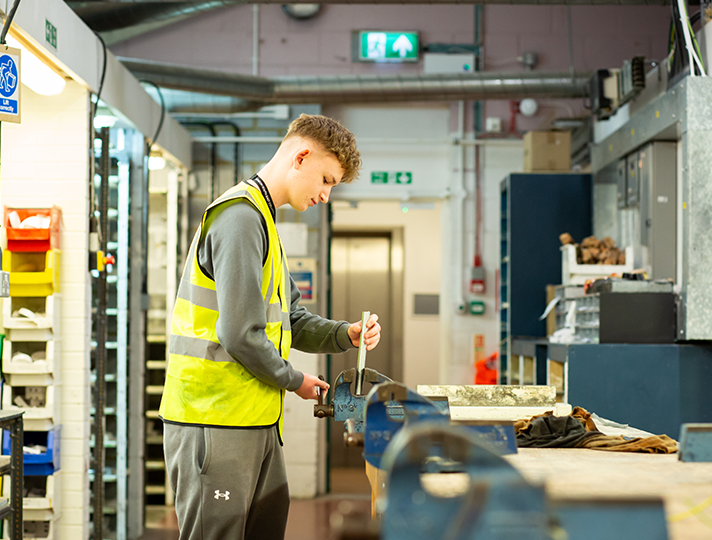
(235, 319)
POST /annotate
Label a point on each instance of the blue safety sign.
(9, 84)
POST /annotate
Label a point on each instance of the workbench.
(573, 473)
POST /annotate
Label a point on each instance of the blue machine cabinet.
(535, 209)
(656, 388)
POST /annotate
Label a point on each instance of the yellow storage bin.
(32, 273)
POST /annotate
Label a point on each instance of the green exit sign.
(381, 46)
(391, 177)
(51, 33)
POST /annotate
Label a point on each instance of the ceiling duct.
(436, 87)
(105, 16)
(361, 88)
(407, 2)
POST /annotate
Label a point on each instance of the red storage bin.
(33, 239)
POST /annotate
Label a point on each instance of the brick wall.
(45, 161)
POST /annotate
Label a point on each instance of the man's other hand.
(310, 387)
(372, 336)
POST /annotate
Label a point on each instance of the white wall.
(45, 161)
(431, 165)
(497, 162)
(421, 275)
(301, 434)
(415, 128)
(439, 245)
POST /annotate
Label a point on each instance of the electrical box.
(493, 124)
(476, 307)
(622, 180)
(477, 280)
(603, 92)
(632, 180)
(658, 207)
(632, 78)
(448, 63)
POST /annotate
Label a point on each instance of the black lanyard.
(260, 184)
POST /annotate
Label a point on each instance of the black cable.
(695, 17)
(213, 155)
(8, 21)
(236, 150)
(92, 192)
(103, 73)
(679, 61)
(163, 112)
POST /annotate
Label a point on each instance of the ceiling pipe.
(201, 80)
(439, 87)
(408, 2)
(362, 88)
(103, 16)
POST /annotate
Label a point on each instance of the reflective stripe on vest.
(204, 384)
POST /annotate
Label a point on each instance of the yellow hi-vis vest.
(204, 384)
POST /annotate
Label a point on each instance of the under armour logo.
(225, 495)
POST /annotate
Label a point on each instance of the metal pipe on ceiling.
(104, 16)
(442, 87)
(409, 2)
(362, 88)
(201, 80)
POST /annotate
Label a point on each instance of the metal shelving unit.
(167, 234)
(110, 343)
(11, 508)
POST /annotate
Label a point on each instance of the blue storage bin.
(38, 464)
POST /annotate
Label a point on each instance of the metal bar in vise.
(362, 353)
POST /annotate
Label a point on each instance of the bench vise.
(346, 405)
(444, 483)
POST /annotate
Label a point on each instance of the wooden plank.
(377, 479)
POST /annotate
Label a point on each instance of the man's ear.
(299, 157)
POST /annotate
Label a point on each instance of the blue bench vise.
(493, 501)
(346, 405)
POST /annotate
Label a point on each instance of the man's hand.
(310, 386)
(373, 332)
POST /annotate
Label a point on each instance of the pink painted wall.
(222, 39)
(603, 37)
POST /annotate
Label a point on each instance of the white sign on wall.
(10, 86)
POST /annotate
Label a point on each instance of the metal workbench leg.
(16, 478)
(541, 364)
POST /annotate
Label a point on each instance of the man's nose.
(324, 196)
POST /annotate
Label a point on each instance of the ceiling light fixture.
(301, 12)
(35, 74)
(156, 163)
(104, 120)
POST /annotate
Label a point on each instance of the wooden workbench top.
(686, 488)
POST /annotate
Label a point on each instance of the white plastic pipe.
(255, 39)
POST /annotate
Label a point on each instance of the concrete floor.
(308, 518)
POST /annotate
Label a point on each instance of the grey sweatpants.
(229, 484)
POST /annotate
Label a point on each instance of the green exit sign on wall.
(51, 33)
(382, 46)
(391, 177)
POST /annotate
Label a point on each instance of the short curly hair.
(334, 137)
